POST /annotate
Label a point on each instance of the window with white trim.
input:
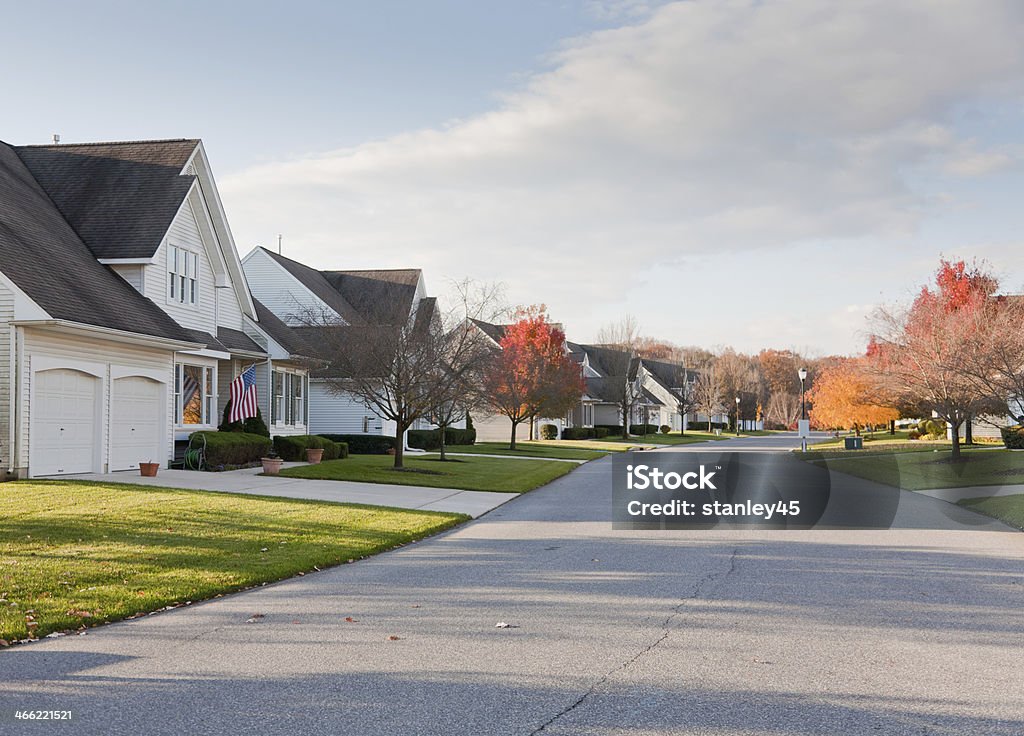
(183, 275)
(195, 401)
(288, 404)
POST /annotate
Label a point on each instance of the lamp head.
(802, 373)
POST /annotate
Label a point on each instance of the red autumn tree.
(531, 375)
(927, 354)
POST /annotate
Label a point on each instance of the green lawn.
(675, 438)
(467, 473)
(882, 440)
(525, 449)
(599, 445)
(918, 471)
(1008, 509)
(76, 554)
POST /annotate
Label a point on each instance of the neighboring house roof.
(318, 284)
(607, 390)
(119, 197)
(668, 374)
(46, 258)
(495, 332)
(609, 361)
(291, 339)
(650, 398)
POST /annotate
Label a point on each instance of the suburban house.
(304, 299)
(124, 309)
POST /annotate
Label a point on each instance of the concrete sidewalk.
(952, 495)
(473, 503)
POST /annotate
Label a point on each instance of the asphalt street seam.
(667, 630)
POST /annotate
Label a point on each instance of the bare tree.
(709, 391)
(998, 342)
(783, 408)
(618, 360)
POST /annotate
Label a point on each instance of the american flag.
(243, 395)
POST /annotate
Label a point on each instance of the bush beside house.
(293, 448)
(364, 444)
(1013, 437)
(430, 439)
(252, 425)
(225, 450)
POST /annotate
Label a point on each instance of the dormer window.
(183, 275)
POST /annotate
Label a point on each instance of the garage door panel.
(64, 421)
(137, 431)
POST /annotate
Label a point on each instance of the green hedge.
(252, 425)
(364, 444)
(549, 431)
(233, 448)
(293, 448)
(643, 428)
(1013, 437)
(430, 439)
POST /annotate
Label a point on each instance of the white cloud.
(704, 127)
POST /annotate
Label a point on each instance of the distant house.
(124, 310)
(303, 299)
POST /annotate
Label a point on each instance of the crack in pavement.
(667, 630)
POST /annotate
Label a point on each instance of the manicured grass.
(524, 449)
(76, 554)
(673, 438)
(599, 445)
(467, 473)
(918, 471)
(1008, 509)
(884, 440)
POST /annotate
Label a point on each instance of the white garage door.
(137, 423)
(63, 438)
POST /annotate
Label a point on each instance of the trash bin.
(854, 443)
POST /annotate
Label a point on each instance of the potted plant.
(148, 470)
(271, 463)
(314, 455)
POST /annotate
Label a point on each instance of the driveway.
(903, 631)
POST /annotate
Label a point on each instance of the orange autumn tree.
(845, 396)
(531, 375)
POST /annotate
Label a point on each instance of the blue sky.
(730, 172)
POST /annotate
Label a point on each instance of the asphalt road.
(904, 631)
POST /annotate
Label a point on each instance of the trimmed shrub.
(293, 448)
(1013, 437)
(548, 431)
(665, 429)
(913, 435)
(578, 433)
(642, 429)
(430, 439)
(225, 449)
(252, 425)
(364, 444)
(600, 432)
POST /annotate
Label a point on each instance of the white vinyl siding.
(6, 315)
(334, 413)
(184, 234)
(133, 273)
(229, 314)
(281, 292)
(53, 349)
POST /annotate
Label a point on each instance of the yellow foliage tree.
(844, 396)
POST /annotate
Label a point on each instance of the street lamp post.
(802, 373)
(737, 416)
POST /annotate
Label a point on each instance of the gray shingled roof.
(47, 259)
(237, 341)
(359, 297)
(290, 338)
(119, 197)
(495, 332)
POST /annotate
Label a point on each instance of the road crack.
(667, 629)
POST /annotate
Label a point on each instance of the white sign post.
(803, 427)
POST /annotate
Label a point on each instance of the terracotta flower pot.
(148, 470)
(314, 455)
(271, 465)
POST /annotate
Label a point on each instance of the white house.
(299, 295)
(124, 310)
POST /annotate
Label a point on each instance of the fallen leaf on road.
(255, 618)
(393, 638)
(351, 620)
(4, 643)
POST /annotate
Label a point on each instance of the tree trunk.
(512, 442)
(955, 431)
(968, 431)
(625, 421)
(443, 446)
(400, 447)
(533, 427)
(892, 426)
(709, 424)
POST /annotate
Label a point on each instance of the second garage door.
(137, 423)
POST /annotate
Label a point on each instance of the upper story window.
(183, 275)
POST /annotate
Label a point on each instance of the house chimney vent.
(56, 138)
